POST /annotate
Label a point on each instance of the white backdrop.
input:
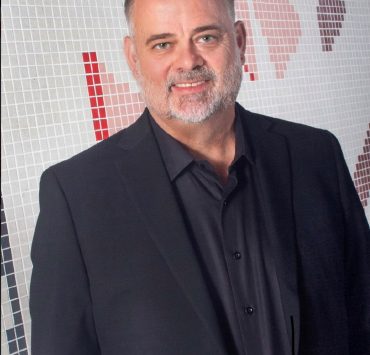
(65, 85)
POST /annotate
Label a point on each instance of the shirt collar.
(176, 157)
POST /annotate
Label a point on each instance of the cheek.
(218, 66)
(155, 70)
(221, 58)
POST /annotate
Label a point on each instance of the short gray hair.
(130, 3)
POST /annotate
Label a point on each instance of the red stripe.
(95, 90)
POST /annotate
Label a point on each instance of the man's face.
(186, 56)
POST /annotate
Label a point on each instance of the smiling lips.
(188, 85)
(192, 81)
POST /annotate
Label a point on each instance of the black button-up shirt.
(226, 225)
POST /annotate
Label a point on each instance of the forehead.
(165, 15)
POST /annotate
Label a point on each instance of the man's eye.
(207, 39)
(162, 45)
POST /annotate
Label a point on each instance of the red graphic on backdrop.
(281, 26)
(330, 14)
(113, 105)
(123, 105)
(95, 90)
(250, 66)
(362, 173)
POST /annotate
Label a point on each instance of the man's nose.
(188, 58)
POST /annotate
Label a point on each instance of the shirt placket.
(233, 247)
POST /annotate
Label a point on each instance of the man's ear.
(130, 54)
(241, 38)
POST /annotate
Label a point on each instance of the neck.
(212, 140)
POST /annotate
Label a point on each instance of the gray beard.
(197, 108)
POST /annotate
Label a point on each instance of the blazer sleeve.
(60, 303)
(357, 257)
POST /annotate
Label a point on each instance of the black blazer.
(115, 273)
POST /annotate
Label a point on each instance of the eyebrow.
(196, 30)
(212, 27)
(158, 36)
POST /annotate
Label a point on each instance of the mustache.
(198, 74)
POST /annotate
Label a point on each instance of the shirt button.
(225, 203)
(248, 310)
(237, 255)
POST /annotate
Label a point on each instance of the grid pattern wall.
(65, 86)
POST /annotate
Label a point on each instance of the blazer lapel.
(272, 162)
(150, 188)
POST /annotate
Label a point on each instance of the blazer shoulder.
(292, 131)
(105, 152)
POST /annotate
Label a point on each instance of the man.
(202, 228)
